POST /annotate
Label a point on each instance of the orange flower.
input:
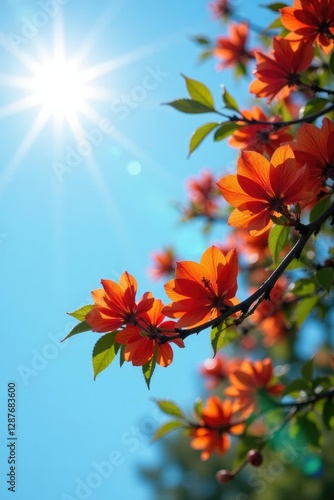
(278, 76)
(203, 194)
(221, 8)
(249, 381)
(201, 292)
(115, 304)
(270, 316)
(254, 248)
(217, 369)
(164, 263)
(310, 21)
(260, 138)
(232, 50)
(315, 147)
(215, 425)
(262, 188)
(141, 344)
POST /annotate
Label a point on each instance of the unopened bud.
(255, 457)
(224, 476)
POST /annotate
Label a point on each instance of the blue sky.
(85, 202)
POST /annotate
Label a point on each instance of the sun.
(60, 88)
(66, 91)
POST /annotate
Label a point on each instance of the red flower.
(262, 188)
(142, 342)
(278, 76)
(310, 21)
(164, 263)
(203, 291)
(232, 50)
(217, 369)
(216, 423)
(203, 194)
(315, 147)
(115, 304)
(248, 380)
(260, 138)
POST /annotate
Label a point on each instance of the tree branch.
(265, 288)
(277, 125)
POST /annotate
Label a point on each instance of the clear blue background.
(59, 237)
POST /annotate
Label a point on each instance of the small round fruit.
(255, 457)
(224, 476)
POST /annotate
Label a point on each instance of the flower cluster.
(252, 387)
(277, 198)
(204, 196)
(137, 323)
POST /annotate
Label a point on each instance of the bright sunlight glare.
(65, 92)
(59, 88)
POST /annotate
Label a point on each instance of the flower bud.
(224, 476)
(255, 457)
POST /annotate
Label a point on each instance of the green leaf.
(304, 308)
(225, 130)
(331, 63)
(121, 355)
(323, 382)
(280, 221)
(80, 314)
(314, 105)
(104, 352)
(240, 70)
(296, 386)
(320, 207)
(276, 6)
(204, 55)
(277, 240)
(222, 336)
(148, 369)
(198, 407)
(167, 428)
(190, 106)
(328, 413)
(199, 92)
(170, 408)
(229, 101)
(202, 40)
(80, 328)
(294, 264)
(325, 278)
(277, 23)
(307, 370)
(304, 287)
(307, 430)
(200, 134)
